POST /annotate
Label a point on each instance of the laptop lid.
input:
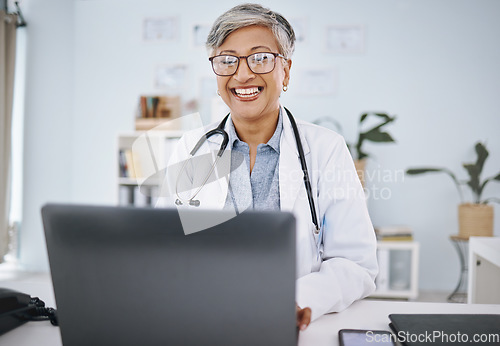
(446, 329)
(130, 276)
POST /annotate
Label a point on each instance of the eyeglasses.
(259, 63)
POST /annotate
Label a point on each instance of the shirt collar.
(274, 141)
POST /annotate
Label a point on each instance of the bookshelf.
(142, 157)
(398, 269)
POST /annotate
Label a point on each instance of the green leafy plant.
(474, 171)
(373, 134)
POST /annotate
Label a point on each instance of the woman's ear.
(287, 65)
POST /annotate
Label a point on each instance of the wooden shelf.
(144, 124)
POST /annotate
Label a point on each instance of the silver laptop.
(130, 276)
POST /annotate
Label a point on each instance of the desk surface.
(363, 314)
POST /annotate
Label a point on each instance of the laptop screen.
(130, 276)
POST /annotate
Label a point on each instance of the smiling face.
(252, 97)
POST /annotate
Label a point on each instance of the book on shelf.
(126, 195)
(394, 233)
(138, 196)
(159, 106)
(129, 164)
(122, 164)
(154, 110)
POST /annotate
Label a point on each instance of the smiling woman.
(250, 50)
(252, 96)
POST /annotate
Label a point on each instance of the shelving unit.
(398, 270)
(142, 157)
(484, 270)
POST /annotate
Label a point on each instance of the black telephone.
(17, 308)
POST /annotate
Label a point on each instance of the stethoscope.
(219, 130)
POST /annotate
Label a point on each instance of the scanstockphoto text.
(438, 337)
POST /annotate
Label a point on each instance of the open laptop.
(130, 276)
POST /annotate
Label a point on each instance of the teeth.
(248, 92)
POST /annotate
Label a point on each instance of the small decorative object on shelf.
(154, 110)
(373, 134)
(394, 233)
(475, 219)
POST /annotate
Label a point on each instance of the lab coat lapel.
(291, 177)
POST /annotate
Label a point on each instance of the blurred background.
(83, 65)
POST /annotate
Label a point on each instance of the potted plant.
(476, 218)
(373, 134)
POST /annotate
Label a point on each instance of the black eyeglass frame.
(246, 58)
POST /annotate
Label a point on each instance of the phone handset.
(17, 308)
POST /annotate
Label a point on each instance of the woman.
(250, 51)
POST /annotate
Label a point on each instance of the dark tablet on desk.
(446, 329)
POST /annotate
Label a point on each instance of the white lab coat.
(346, 268)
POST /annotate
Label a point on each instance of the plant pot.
(360, 169)
(475, 220)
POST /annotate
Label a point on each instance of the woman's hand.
(303, 317)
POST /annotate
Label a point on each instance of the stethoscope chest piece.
(219, 130)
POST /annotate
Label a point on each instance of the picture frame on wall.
(199, 34)
(317, 81)
(160, 29)
(345, 39)
(171, 76)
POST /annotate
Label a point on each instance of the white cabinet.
(484, 270)
(141, 161)
(398, 269)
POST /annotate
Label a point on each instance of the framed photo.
(317, 81)
(345, 39)
(200, 33)
(171, 77)
(160, 29)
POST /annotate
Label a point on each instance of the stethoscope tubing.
(307, 181)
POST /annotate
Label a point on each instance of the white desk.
(368, 314)
(364, 314)
(484, 270)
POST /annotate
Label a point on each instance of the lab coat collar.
(290, 170)
(287, 134)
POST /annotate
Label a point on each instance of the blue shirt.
(260, 189)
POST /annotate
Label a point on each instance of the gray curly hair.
(245, 15)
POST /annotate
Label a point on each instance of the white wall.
(433, 63)
(48, 117)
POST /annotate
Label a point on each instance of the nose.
(243, 73)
